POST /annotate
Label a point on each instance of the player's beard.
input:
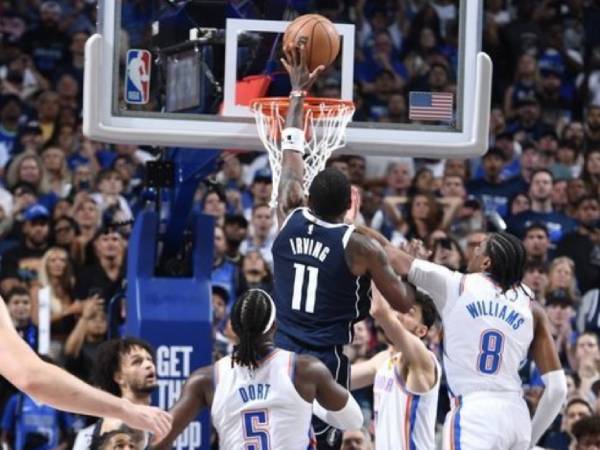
(144, 387)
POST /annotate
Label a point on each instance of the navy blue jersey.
(318, 299)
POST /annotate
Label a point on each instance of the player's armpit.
(365, 255)
(195, 396)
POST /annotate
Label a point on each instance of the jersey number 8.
(491, 346)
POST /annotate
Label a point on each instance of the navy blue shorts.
(337, 363)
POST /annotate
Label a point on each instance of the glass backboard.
(183, 73)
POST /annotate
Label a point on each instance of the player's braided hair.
(250, 315)
(508, 259)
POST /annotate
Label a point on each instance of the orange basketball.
(321, 39)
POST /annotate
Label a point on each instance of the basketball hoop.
(325, 121)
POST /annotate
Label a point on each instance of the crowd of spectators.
(66, 201)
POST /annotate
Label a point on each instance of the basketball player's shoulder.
(309, 368)
(361, 249)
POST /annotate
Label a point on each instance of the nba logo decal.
(137, 77)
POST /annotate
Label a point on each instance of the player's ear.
(421, 331)
(486, 264)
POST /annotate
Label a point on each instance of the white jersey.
(260, 409)
(404, 420)
(487, 334)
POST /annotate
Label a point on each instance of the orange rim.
(317, 105)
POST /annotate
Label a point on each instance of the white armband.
(293, 139)
(350, 417)
(550, 404)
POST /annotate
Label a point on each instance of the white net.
(325, 122)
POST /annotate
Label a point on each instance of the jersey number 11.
(311, 289)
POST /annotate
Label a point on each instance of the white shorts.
(488, 421)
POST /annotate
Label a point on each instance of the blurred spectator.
(28, 424)
(582, 245)
(536, 278)
(592, 126)
(493, 192)
(259, 191)
(447, 252)
(125, 368)
(18, 303)
(236, 231)
(81, 346)
(11, 109)
(122, 438)
(46, 43)
(88, 218)
(28, 168)
(48, 109)
(588, 317)
(587, 433)
(357, 169)
(56, 171)
(65, 230)
(214, 203)
(224, 272)
(560, 308)
(537, 242)
(591, 170)
(24, 261)
(261, 235)
(561, 275)
(575, 410)
(110, 188)
(473, 240)
(57, 281)
(540, 193)
(255, 273)
(356, 440)
(104, 278)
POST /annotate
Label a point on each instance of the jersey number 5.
(491, 346)
(256, 430)
(311, 288)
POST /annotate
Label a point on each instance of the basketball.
(322, 41)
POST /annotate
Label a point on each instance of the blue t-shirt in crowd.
(558, 224)
(225, 275)
(34, 426)
(495, 197)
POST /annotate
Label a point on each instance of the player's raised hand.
(148, 418)
(416, 248)
(379, 305)
(295, 64)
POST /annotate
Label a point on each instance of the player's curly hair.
(508, 259)
(249, 317)
(330, 194)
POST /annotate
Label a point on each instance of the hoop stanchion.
(325, 122)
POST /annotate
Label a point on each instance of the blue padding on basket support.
(173, 314)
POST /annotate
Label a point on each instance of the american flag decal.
(432, 106)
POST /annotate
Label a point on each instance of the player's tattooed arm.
(365, 255)
(543, 349)
(290, 194)
(197, 394)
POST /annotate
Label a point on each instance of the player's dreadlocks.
(252, 318)
(508, 259)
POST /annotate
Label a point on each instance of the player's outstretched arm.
(51, 385)
(196, 395)
(363, 373)
(290, 193)
(547, 361)
(414, 352)
(365, 255)
(332, 403)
